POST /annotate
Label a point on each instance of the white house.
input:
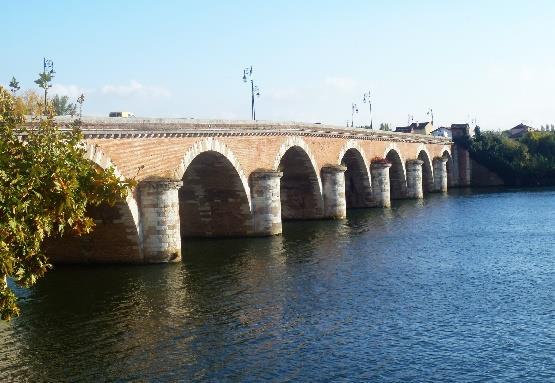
(442, 132)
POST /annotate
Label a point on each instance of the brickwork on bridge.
(241, 179)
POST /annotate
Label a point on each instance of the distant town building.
(442, 131)
(121, 114)
(416, 128)
(519, 131)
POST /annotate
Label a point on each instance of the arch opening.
(397, 179)
(114, 239)
(301, 197)
(213, 201)
(427, 173)
(358, 192)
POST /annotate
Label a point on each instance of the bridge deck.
(117, 127)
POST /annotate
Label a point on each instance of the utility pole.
(431, 114)
(366, 97)
(80, 101)
(45, 78)
(247, 75)
(354, 109)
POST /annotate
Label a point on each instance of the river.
(457, 287)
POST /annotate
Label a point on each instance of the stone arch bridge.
(233, 178)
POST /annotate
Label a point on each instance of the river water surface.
(453, 288)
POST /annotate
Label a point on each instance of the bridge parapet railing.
(115, 127)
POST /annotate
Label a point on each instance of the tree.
(529, 160)
(29, 104)
(14, 86)
(46, 185)
(44, 82)
(385, 127)
(62, 106)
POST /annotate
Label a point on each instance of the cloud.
(342, 84)
(135, 88)
(72, 91)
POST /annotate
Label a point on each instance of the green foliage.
(14, 86)
(46, 185)
(528, 161)
(62, 106)
(30, 103)
(44, 80)
(385, 127)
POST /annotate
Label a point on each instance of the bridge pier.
(266, 202)
(159, 203)
(333, 185)
(440, 175)
(381, 189)
(414, 179)
(464, 166)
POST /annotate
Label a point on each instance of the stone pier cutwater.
(238, 178)
(381, 188)
(414, 179)
(266, 202)
(159, 205)
(440, 175)
(333, 184)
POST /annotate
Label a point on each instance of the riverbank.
(527, 161)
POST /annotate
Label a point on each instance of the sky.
(493, 61)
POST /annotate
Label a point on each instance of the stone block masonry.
(333, 183)
(440, 175)
(414, 179)
(159, 203)
(266, 202)
(381, 191)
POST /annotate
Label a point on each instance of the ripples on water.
(458, 288)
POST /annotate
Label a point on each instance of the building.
(442, 131)
(519, 130)
(121, 114)
(416, 128)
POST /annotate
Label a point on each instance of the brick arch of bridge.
(215, 199)
(301, 185)
(397, 171)
(291, 142)
(213, 145)
(358, 190)
(116, 237)
(423, 154)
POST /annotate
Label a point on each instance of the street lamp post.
(45, 78)
(247, 75)
(48, 72)
(354, 109)
(366, 97)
